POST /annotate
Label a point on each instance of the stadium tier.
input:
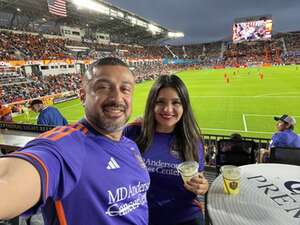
(46, 59)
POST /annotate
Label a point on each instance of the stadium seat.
(285, 155)
(236, 153)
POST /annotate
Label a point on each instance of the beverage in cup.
(188, 170)
(231, 179)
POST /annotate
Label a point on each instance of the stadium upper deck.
(121, 25)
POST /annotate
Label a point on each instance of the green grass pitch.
(246, 104)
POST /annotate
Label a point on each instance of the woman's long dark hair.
(187, 131)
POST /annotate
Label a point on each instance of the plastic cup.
(188, 170)
(231, 179)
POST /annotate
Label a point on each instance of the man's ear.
(82, 95)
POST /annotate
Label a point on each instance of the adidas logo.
(112, 164)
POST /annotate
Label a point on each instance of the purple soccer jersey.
(88, 178)
(169, 202)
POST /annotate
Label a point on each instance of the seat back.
(285, 155)
(235, 153)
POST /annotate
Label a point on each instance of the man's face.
(36, 108)
(107, 97)
(281, 126)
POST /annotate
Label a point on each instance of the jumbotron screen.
(252, 30)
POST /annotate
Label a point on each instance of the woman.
(167, 136)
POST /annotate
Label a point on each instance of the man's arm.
(20, 187)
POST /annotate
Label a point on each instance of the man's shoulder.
(50, 108)
(63, 134)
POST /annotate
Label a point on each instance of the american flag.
(57, 7)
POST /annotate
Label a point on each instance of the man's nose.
(116, 94)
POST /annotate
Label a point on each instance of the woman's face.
(167, 110)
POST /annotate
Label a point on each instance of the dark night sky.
(211, 20)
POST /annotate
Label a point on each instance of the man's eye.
(101, 87)
(127, 90)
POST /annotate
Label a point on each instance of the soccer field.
(247, 104)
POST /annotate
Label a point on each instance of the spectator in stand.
(284, 137)
(5, 114)
(47, 115)
(167, 136)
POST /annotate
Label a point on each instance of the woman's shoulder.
(133, 130)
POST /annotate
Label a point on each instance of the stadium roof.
(122, 25)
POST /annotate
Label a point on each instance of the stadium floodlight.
(175, 34)
(92, 5)
(120, 14)
(154, 29)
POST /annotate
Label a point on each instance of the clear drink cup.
(188, 170)
(231, 179)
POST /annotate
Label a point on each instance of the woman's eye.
(176, 103)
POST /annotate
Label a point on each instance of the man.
(47, 115)
(285, 137)
(86, 173)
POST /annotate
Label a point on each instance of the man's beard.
(111, 125)
(107, 124)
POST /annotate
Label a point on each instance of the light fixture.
(175, 34)
(92, 5)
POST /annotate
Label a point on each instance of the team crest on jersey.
(140, 160)
(175, 152)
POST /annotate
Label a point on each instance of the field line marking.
(277, 93)
(232, 130)
(244, 121)
(263, 115)
(246, 96)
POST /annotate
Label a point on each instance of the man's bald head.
(108, 61)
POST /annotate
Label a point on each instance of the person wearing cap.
(285, 137)
(47, 115)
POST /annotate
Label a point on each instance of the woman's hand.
(198, 184)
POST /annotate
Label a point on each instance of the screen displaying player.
(252, 30)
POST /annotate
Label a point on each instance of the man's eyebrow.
(128, 82)
(101, 80)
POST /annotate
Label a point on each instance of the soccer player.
(167, 136)
(86, 173)
(261, 76)
(227, 80)
(47, 115)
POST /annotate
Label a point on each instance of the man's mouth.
(114, 111)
